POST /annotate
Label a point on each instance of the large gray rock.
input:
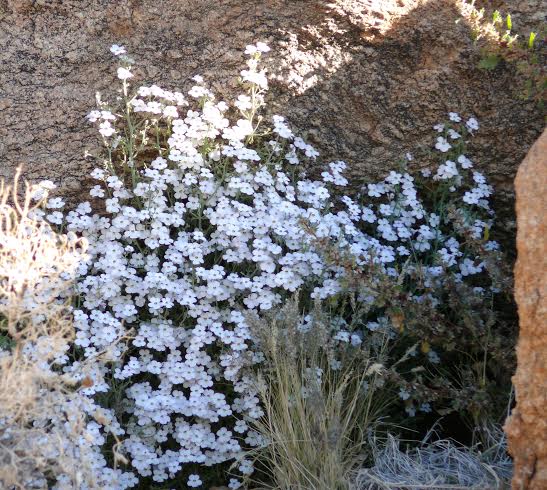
(364, 79)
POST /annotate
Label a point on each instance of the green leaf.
(486, 235)
(6, 342)
(508, 22)
(496, 17)
(531, 40)
(489, 62)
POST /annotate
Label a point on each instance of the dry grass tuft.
(319, 403)
(36, 269)
(42, 419)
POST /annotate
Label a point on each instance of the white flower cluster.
(213, 224)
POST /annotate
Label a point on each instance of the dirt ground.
(363, 80)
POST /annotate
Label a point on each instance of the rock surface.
(527, 426)
(364, 80)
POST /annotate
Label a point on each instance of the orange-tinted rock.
(527, 426)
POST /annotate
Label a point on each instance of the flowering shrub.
(438, 295)
(197, 219)
(450, 345)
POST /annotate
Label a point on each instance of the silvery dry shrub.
(438, 464)
(46, 423)
(202, 213)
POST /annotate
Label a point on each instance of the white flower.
(197, 91)
(106, 129)
(96, 191)
(238, 132)
(472, 124)
(446, 171)
(281, 128)
(194, 481)
(107, 116)
(465, 162)
(170, 111)
(251, 49)
(234, 484)
(433, 357)
(468, 267)
(243, 102)
(262, 47)
(117, 50)
(144, 91)
(56, 217)
(47, 184)
(471, 197)
(453, 134)
(98, 174)
(376, 190)
(258, 78)
(403, 394)
(442, 144)
(124, 73)
(454, 116)
(479, 178)
(425, 407)
(93, 116)
(55, 203)
(258, 48)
